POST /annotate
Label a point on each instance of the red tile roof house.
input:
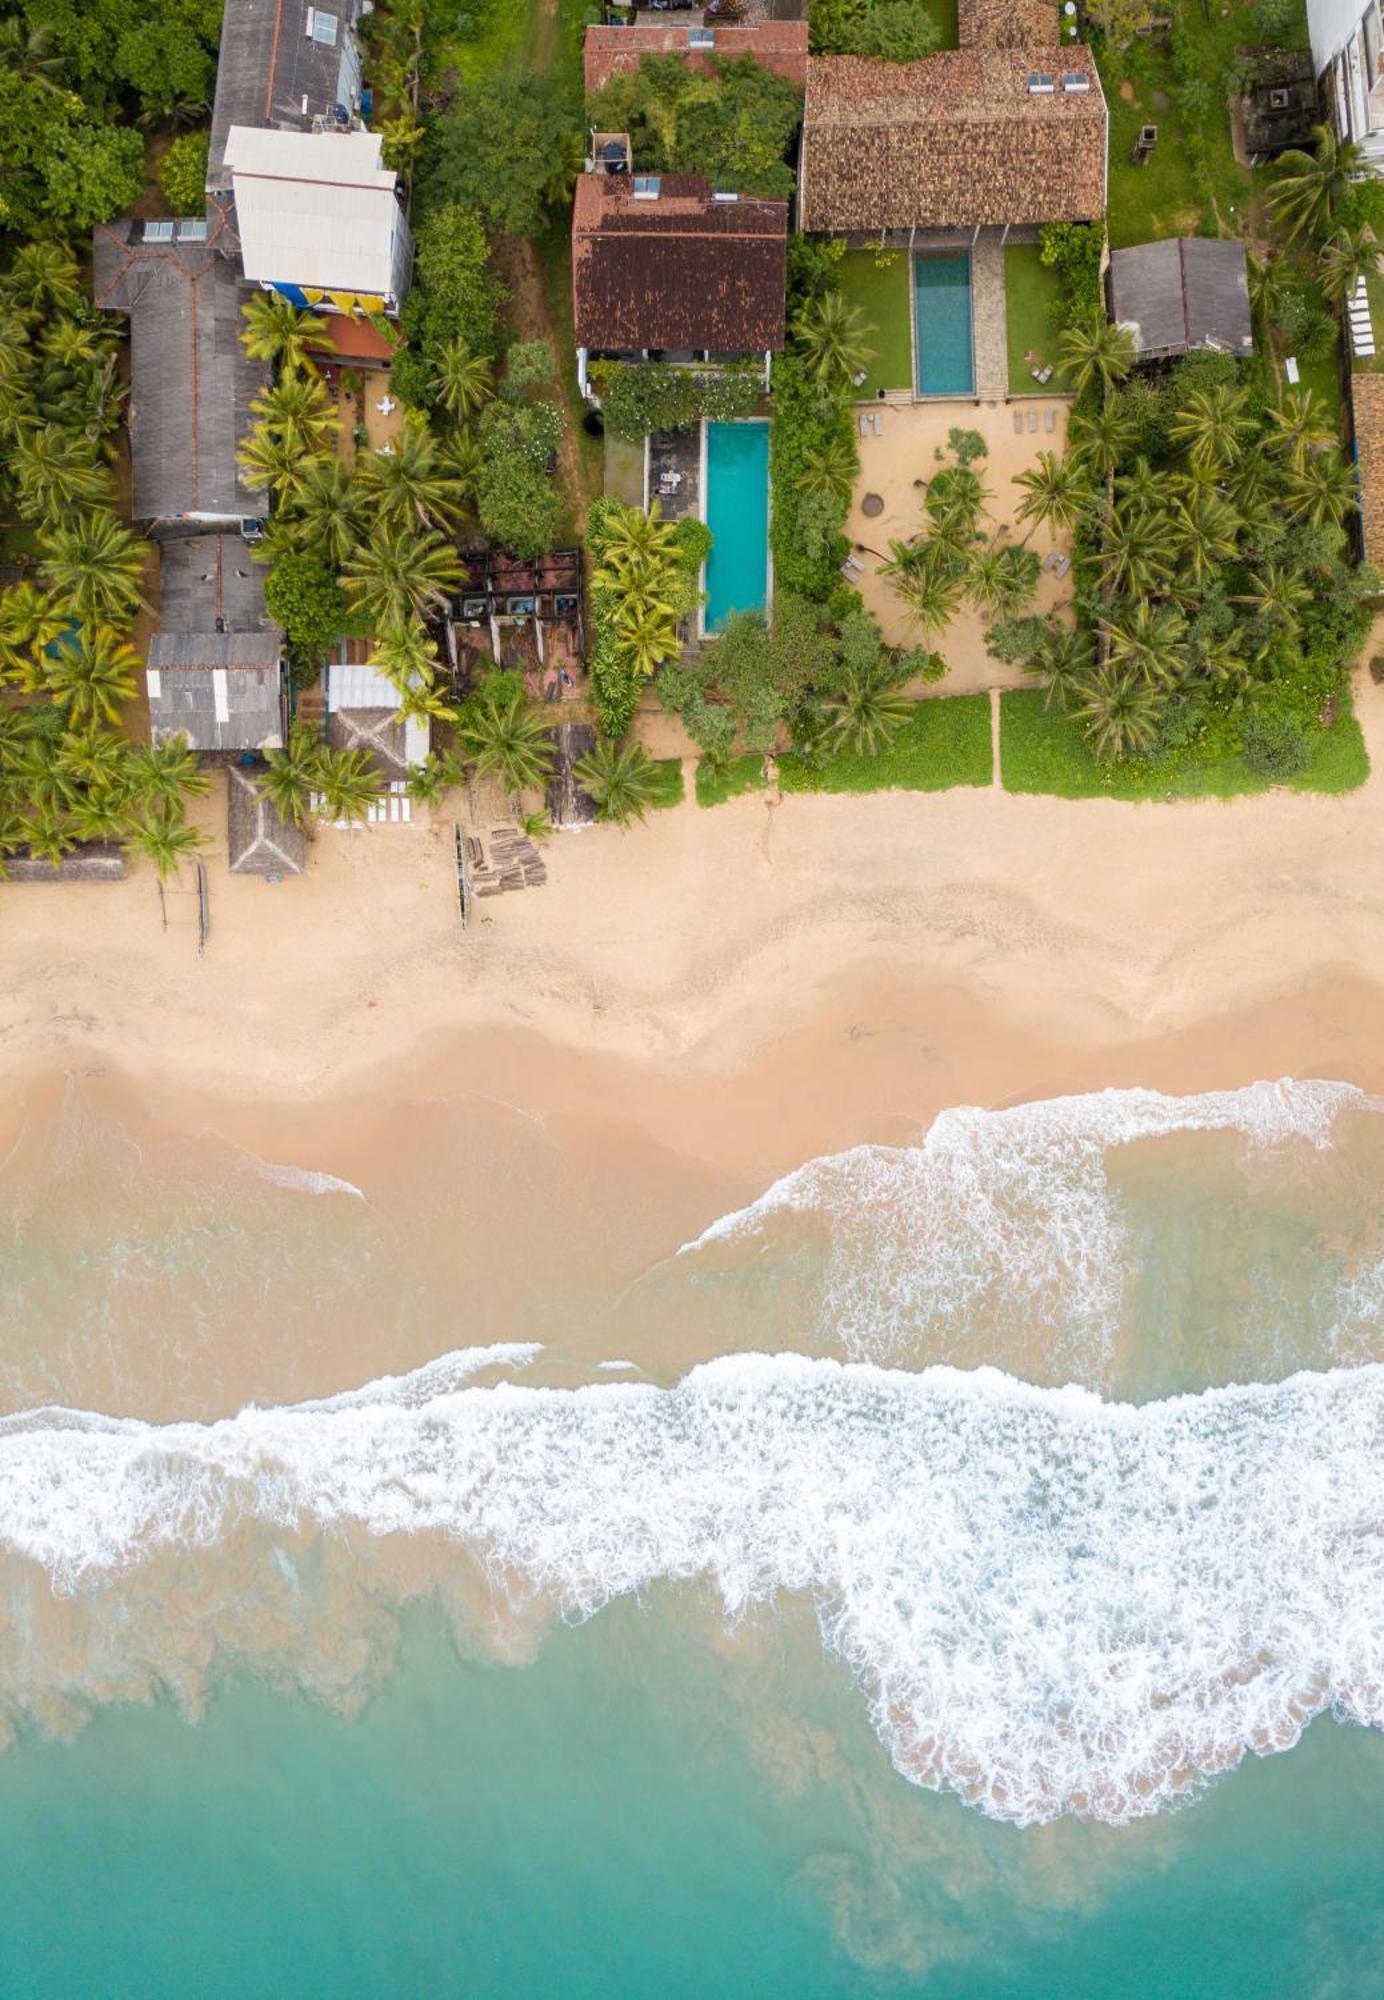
(781, 46)
(666, 268)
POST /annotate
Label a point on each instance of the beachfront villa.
(948, 163)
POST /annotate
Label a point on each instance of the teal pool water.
(737, 513)
(942, 294)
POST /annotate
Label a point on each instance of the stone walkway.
(987, 307)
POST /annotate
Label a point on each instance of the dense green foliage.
(507, 148)
(734, 127)
(645, 580)
(722, 778)
(805, 527)
(944, 742)
(642, 396)
(455, 295)
(1074, 250)
(302, 594)
(183, 173)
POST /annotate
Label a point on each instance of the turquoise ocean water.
(920, 1642)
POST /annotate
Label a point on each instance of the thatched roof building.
(260, 842)
(976, 137)
(1181, 293)
(661, 261)
(93, 861)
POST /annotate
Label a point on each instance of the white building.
(319, 218)
(1348, 50)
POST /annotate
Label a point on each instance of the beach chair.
(1290, 369)
(1052, 559)
(1033, 420)
(1061, 566)
(863, 422)
(877, 419)
(1049, 420)
(1018, 422)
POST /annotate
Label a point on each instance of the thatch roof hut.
(261, 843)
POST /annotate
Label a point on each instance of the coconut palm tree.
(406, 655)
(1324, 490)
(868, 710)
(930, 582)
(30, 52)
(44, 280)
(620, 777)
(93, 566)
(1269, 286)
(298, 408)
(330, 515)
(462, 459)
(503, 735)
(1309, 187)
(629, 531)
(1001, 579)
(30, 622)
(1213, 427)
(1120, 714)
(1301, 426)
(399, 574)
(1205, 535)
(293, 774)
(425, 701)
(167, 772)
(1222, 661)
(1060, 663)
(48, 833)
(277, 331)
(1100, 439)
(646, 634)
(1277, 598)
(833, 337)
(463, 382)
(411, 486)
(1135, 558)
(430, 781)
(97, 758)
(1347, 256)
(1148, 643)
(347, 781)
(1056, 492)
(91, 677)
(276, 462)
(1098, 352)
(829, 469)
(162, 835)
(70, 345)
(955, 493)
(55, 471)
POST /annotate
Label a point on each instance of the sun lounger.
(1290, 369)
(860, 376)
(1018, 421)
(1061, 566)
(1033, 420)
(877, 418)
(1052, 559)
(1036, 373)
(1049, 420)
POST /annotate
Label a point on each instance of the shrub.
(455, 292)
(731, 121)
(805, 419)
(1073, 250)
(303, 596)
(516, 500)
(642, 396)
(183, 174)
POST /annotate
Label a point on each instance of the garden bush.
(183, 174)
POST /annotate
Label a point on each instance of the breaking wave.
(1052, 1603)
(306, 1180)
(1007, 1213)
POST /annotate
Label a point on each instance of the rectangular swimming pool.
(737, 513)
(942, 310)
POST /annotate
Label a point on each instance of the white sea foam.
(1052, 1603)
(1007, 1212)
(306, 1180)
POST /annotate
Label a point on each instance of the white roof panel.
(314, 209)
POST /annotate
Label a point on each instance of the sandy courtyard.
(905, 453)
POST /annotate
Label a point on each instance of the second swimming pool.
(942, 301)
(737, 513)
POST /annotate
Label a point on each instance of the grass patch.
(1042, 750)
(881, 292)
(739, 774)
(1032, 314)
(554, 254)
(943, 13)
(668, 784)
(945, 742)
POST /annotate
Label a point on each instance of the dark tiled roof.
(781, 46)
(683, 271)
(1007, 24)
(950, 142)
(260, 842)
(268, 64)
(1181, 293)
(191, 381)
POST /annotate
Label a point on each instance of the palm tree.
(1000, 580)
(1120, 714)
(1345, 258)
(276, 331)
(430, 781)
(330, 514)
(410, 485)
(646, 634)
(348, 782)
(29, 52)
(930, 585)
(868, 710)
(398, 574)
(55, 472)
(167, 772)
(629, 531)
(48, 833)
(1324, 490)
(1213, 426)
(1269, 286)
(504, 736)
(1056, 493)
(1310, 186)
(97, 758)
(1100, 439)
(406, 655)
(461, 457)
(1098, 352)
(1301, 425)
(44, 280)
(277, 462)
(1148, 644)
(620, 777)
(91, 677)
(1061, 664)
(833, 337)
(30, 622)
(955, 494)
(464, 382)
(298, 408)
(293, 774)
(1277, 599)
(163, 836)
(1206, 536)
(93, 566)
(1135, 558)
(829, 469)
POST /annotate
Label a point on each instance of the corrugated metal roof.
(316, 209)
(268, 65)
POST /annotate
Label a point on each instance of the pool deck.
(679, 453)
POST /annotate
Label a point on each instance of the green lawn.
(741, 774)
(1042, 750)
(1032, 308)
(668, 778)
(881, 292)
(946, 742)
(943, 13)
